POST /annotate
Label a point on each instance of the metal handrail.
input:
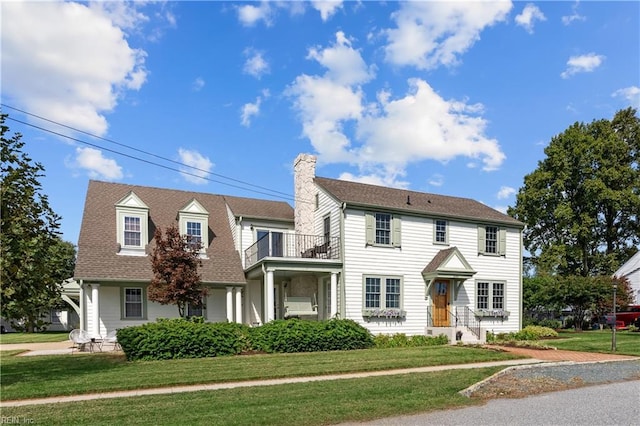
(279, 244)
(468, 320)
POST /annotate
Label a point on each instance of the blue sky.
(446, 97)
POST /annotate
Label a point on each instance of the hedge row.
(194, 338)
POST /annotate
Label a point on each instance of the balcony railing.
(279, 244)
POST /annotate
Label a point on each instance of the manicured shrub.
(181, 338)
(400, 340)
(530, 332)
(294, 335)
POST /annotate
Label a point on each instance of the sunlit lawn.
(313, 403)
(627, 342)
(47, 336)
(42, 376)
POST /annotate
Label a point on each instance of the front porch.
(293, 276)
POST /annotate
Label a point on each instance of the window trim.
(501, 240)
(491, 288)
(194, 212)
(383, 291)
(132, 206)
(446, 232)
(143, 295)
(395, 231)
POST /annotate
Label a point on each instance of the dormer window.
(132, 225)
(194, 223)
(194, 233)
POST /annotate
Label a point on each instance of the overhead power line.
(247, 185)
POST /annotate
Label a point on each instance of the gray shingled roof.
(97, 245)
(437, 260)
(421, 203)
(260, 209)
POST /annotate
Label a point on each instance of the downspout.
(343, 305)
(240, 248)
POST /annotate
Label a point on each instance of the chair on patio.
(112, 338)
(80, 339)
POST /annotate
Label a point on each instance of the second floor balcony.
(280, 244)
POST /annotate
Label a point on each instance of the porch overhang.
(292, 265)
(447, 264)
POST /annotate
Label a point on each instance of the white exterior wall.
(408, 262)
(111, 305)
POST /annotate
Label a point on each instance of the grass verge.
(314, 403)
(627, 342)
(55, 375)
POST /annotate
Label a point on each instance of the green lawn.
(627, 342)
(314, 403)
(42, 376)
(46, 336)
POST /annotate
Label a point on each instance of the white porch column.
(95, 305)
(238, 305)
(83, 307)
(230, 304)
(334, 294)
(322, 309)
(268, 309)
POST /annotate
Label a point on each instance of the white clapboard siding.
(408, 261)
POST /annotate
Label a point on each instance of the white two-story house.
(394, 260)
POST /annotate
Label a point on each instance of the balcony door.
(270, 244)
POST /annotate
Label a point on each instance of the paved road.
(611, 404)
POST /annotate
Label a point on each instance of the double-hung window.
(490, 295)
(492, 240)
(132, 231)
(133, 303)
(382, 229)
(440, 233)
(194, 234)
(382, 292)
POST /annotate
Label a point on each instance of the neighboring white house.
(631, 271)
(394, 260)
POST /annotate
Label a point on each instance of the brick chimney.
(304, 168)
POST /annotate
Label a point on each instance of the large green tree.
(33, 258)
(581, 206)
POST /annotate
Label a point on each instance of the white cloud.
(575, 16)
(197, 84)
(76, 66)
(529, 15)
(436, 180)
(252, 109)
(255, 64)
(390, 132)
(249, 15)
(582, 63)
(197, 165)
(326, 8)
(98, 166)
(430, 34)
(505, 192)
(631, 94)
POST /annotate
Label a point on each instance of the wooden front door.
(440, 296)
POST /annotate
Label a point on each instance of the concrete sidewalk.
(232, 385)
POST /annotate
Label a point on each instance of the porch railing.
(465, 316)
(461, 316)
(279, 244)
